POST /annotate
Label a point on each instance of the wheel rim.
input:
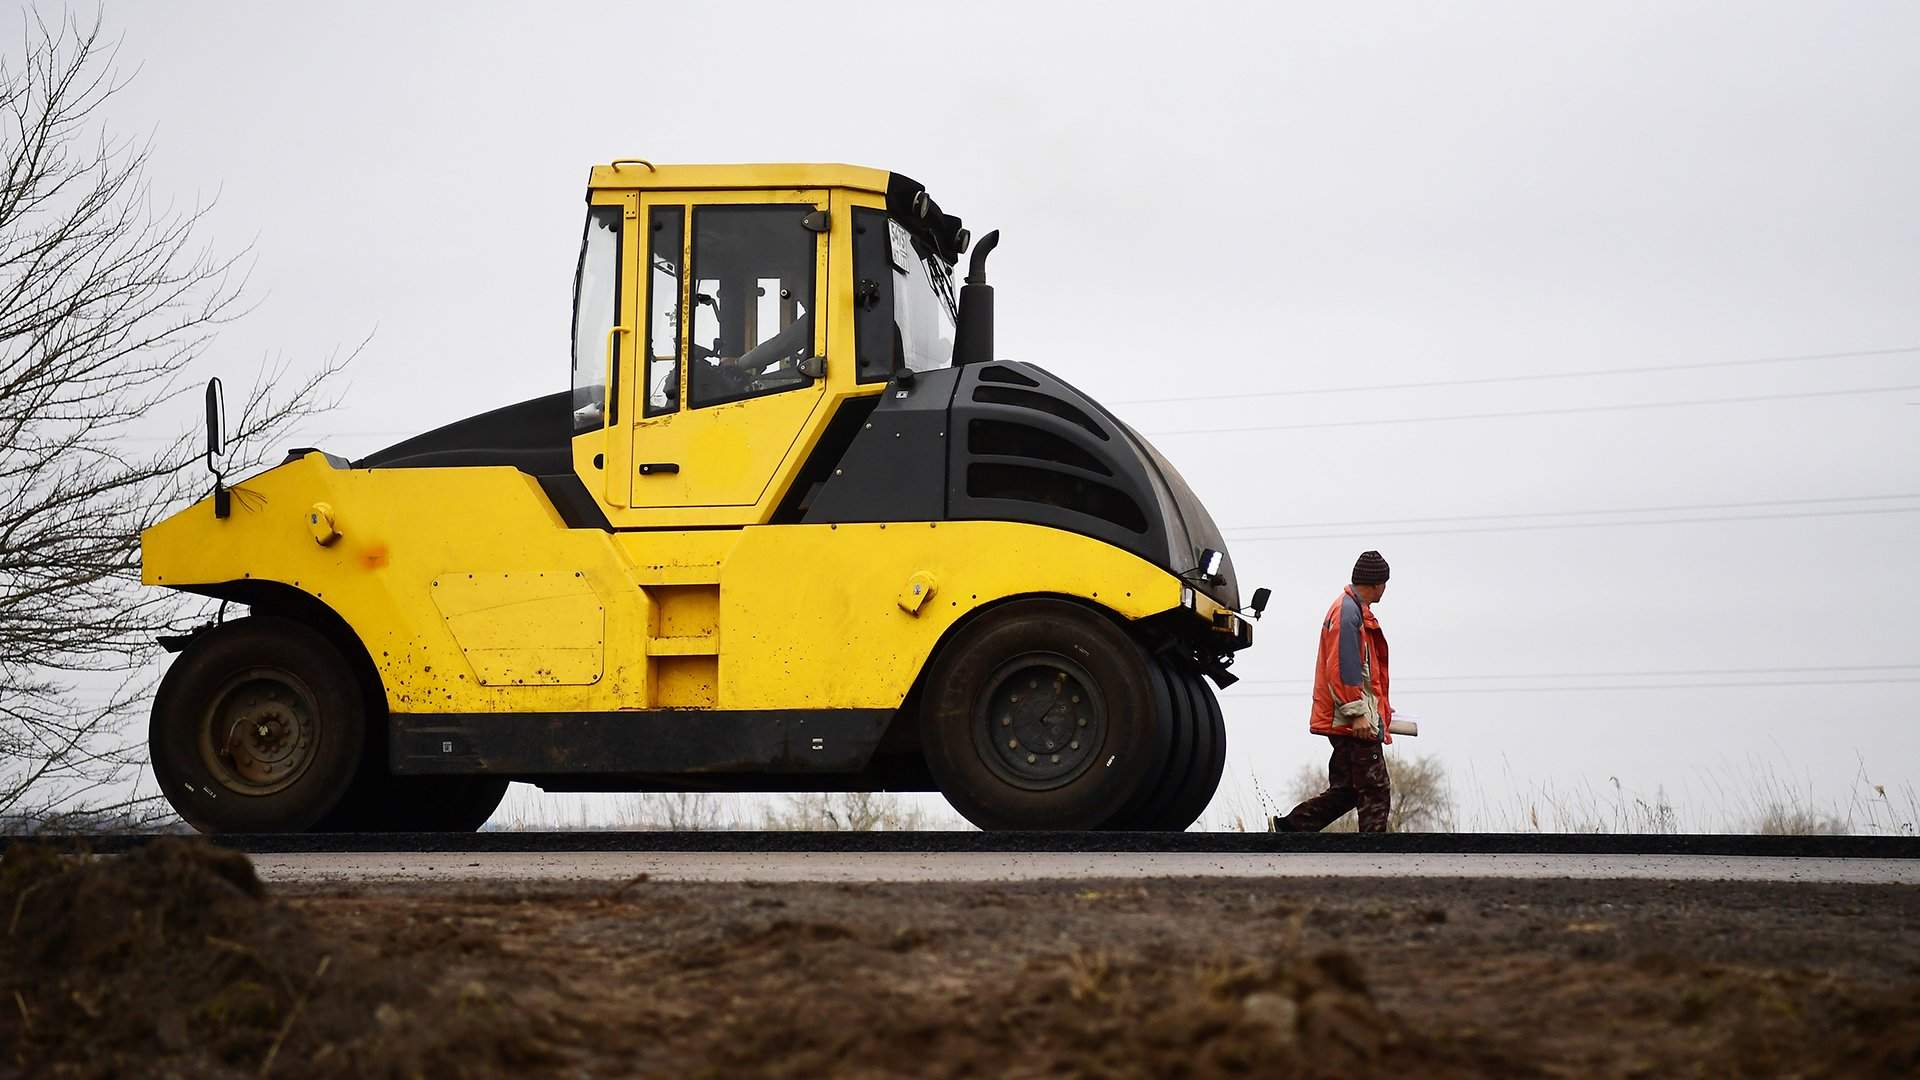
(1040, 721)
(260, 732)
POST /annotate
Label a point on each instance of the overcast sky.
(1241, 203)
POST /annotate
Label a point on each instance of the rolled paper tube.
(1404, 727)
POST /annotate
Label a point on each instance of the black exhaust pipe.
(973, 336)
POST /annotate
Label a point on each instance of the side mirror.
(216, 419)
(1260, 598)
(217, 445)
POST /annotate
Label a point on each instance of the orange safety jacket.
(1350, 642)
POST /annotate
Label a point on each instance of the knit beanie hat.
(1370, 570)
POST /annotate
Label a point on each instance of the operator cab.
(713, 335)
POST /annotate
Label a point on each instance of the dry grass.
(527, 809)
(847, 811)
(1757, 800)
(1427, 798)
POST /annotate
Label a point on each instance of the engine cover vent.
(1039, 402)
(1052, 488)
(999, 438)
(1044, 453)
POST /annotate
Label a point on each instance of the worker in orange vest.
(1350, 708)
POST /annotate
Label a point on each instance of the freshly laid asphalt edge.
(1223, 843)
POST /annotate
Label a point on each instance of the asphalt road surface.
(328, 868)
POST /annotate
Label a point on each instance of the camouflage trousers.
(1356, 776)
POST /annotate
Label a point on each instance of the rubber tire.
(1209, 759)
(1172, 813)
(261, 641)
(445, 803)
(1155, 807)
(383, 803)
(1129, 759)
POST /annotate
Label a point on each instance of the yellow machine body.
(470, 595)
(787, 473)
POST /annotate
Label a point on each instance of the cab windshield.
(596, 311)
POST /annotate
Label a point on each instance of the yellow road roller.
(792, 528)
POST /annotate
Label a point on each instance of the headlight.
(1211, 563)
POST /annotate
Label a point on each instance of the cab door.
(731, 348)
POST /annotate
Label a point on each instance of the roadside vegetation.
(528, 809)
(1426, 799)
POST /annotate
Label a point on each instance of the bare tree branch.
(108, 304)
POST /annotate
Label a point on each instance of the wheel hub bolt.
(1074, 745)
(1013, 744)
(1006, 721)
(1083, 721)
(1055, 759)
(1030, 759)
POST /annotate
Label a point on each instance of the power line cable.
(1315, 391)
(1488, 380)
(1692, 672)
(1564, 411)
(1676, 507)
(1601, 689)
(1588, 524)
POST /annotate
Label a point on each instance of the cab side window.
(666, 229)
(753, 287)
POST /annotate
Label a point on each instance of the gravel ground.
(179, 961)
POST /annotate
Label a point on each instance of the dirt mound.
(1082, 1013)
(174, 960)
(69, 912)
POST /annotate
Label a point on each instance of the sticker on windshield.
(901, 245)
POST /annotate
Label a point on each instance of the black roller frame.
(698, 741)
